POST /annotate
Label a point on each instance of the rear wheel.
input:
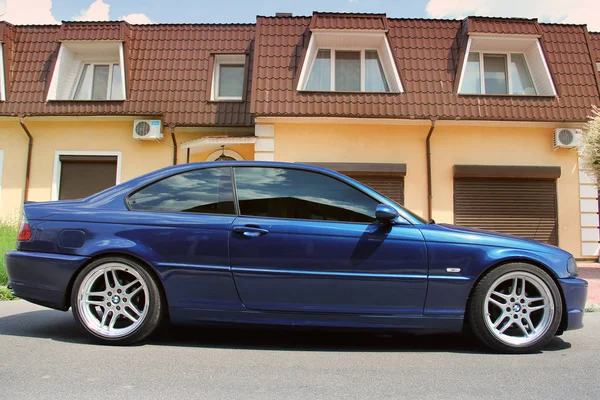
(117, 301)
(515, 308)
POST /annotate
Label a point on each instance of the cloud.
(572, 12)
(29, 12)
(136, 19)
(98, 11)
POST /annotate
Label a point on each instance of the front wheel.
(515, 308)
(117, 301)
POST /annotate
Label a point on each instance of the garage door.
(82, 176)
(522, 207)
(389, 186)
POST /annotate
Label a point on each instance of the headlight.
(572, 266)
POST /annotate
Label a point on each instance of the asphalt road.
(45, 355)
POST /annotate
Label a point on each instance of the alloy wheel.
(113, 300)
(519, 308)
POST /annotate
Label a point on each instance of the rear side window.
(295, 194)
(207, 191)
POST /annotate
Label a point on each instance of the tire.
(117, 301)
(509, 319)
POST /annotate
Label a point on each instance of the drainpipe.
(174, 144)
(29, 150)
(429, 189)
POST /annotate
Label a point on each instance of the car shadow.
(60, 326)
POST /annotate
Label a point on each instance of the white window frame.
(92, 64)
(363, 70)
(229, 153)
(507, 58)
(58, 166)
(375, 40)
(2, 78)
(227, 59)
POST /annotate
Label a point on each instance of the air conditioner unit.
(566, 138)
(147, 129)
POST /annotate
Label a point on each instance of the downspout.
(174, 144)
(429, 188)
(29, 151)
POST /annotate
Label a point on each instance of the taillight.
(24, 230)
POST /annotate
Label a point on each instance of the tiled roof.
(168, 72)
(595, 45)
(502, 26)
(92, 30)
(338, 21)
(169, 68)
(427, 53)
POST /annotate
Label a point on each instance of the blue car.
(284, 244)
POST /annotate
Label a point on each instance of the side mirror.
(385, 214)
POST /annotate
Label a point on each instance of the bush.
(8, 240)
(590, 152)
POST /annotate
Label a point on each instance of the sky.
(215, 11)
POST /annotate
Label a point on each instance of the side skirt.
(438, 323)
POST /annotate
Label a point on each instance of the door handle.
(250, 231)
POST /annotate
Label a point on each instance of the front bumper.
(42, 278)
(575, 295)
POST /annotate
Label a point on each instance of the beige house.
(472, 121)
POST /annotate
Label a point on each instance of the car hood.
(473, 236)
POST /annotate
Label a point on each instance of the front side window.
(205, 191)
(99, 82)
(295, 194)
(347, 71)
(228, 77)
(497, 74)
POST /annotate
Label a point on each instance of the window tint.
(320, 76)
(295, 194)
(472, 78)
(347, 70)
(231, 80)
(374, 75)
(201, 191)
(521, 80)
(494, 72)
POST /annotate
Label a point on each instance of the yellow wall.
(360, 143)
(13, 141)
(450, 145)
(138, 157)
(244, 150)
(506, 146)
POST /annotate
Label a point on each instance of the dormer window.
(99, 82)
(228, 77)
(505, 66)
(87, 71)
(349, 62)
(497, 74)
(342, 70)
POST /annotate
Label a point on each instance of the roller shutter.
(82, 176)
(522, 207)
(387, 185)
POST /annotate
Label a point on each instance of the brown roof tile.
(168, 68)
(427, 53)
(595, 44)
(114, 30)
(322, 20)
(502, 26)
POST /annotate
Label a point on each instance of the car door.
(306, 241)
(183, 222)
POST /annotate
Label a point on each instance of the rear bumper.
(575, 292)
(42, 278)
